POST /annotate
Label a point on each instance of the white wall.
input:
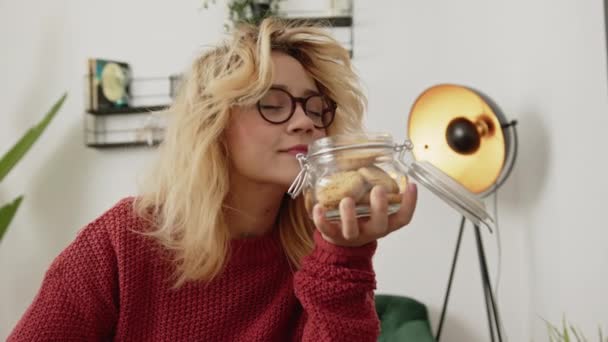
(543, 61)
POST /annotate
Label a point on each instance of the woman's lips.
(297, 149)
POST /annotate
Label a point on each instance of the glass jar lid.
(451, 192)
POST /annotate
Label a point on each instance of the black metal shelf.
(128, 110)
(121, 145)
(334, 21)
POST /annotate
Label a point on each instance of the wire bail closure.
(298, 184)
(403, 148)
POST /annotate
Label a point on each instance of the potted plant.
(249, 11)
(569, 333)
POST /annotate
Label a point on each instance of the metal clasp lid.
(406, 146)
(298, 184)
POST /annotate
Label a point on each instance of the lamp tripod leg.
(451, 278)
(491, 307)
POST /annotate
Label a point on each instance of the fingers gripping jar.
(343, 166)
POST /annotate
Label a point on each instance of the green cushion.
(403, 319)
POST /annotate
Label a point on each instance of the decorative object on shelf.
(341, 7)
(174, 85)
(109, 84)
(337, 15)
(249, 11)
(14, 155)
(462, 132)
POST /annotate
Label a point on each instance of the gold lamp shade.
(459, 130)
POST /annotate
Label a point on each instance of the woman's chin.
(285, 171)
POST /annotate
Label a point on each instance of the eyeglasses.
(277, 106)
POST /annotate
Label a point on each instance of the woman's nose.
(300, 121)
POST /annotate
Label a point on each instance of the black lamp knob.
(462, 136)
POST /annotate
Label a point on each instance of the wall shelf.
(334, 21)
(128, 110)
(128, 129)
(141, 122)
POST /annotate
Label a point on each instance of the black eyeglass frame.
(331, 107)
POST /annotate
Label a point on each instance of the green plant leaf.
(12, 157)
(553, 331)
(568, 332)
(7, 213)
(565, 330)
(578, 334)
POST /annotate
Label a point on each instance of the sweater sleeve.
(335, 287)
(78, 297)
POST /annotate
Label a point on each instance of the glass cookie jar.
(351, 165)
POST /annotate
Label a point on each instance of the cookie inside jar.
(351, 167)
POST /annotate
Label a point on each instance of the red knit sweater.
(114, 284)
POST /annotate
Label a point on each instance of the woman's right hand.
(353, 232)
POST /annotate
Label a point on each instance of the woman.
(213, 249)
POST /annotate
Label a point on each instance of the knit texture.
(112, 283)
